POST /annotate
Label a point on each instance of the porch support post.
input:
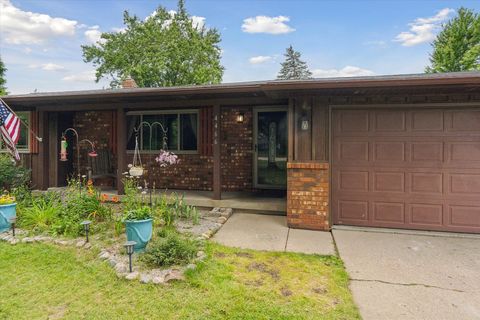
(121, 148)
(42, 164)
(217, 172)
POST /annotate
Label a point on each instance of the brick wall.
(98, 127)
(193, 172)
(236, 141)
(308, 196)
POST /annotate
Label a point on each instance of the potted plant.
(8, 210)
(138, 226)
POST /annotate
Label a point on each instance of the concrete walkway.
(270, 233)
(410, 276)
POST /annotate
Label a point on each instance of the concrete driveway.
(405, 276)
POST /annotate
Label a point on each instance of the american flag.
(9, 129)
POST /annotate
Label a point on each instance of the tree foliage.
(457, 46)
(163, 50)
(293, 68)
(3, 80)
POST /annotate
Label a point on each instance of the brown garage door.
(414, 169)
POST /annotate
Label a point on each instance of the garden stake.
(129, 247)
(86, 226)
(13, 220)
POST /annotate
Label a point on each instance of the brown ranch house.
(397, 151)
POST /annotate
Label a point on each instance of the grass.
(40, 281)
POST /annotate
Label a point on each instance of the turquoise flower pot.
(139, 231)
(7, 211)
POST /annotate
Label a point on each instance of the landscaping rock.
(80, 243)
(121, 267)
(158, 280)
(14, 241)
(200, 253)
(174, 275)
(221, 220)
(61, 242)
(226, 212)
(87, 245)
(145, 278)
(132, 276)
(104, 255)
(27, 240)
(112, 262)
(191, 266)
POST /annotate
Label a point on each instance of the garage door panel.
(389, 151)
(390, 121)
(426, 214)
(415, 169)
(427, 151)
(389, 181)
(427, 182)
(428, 121)
(390, 212)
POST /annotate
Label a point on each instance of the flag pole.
(39, 139)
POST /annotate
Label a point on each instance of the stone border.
(119, 261)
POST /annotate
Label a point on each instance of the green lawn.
(39, 281)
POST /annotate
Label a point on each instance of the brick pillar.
(308, 195)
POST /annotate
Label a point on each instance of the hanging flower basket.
(136, 171)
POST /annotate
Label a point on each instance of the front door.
(270, 145)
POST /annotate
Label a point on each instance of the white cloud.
(48, 67)
(197, 21)
(93, 34)
(264, 24)
(85, 76)
(423, 29)
(121, 30)
(25, 27)
(259, 59)
(348, 71)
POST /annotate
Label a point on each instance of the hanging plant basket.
(136, 171)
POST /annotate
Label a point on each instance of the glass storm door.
(271, 141)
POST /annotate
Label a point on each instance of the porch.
(266, 203)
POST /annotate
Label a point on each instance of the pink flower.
(166, 158)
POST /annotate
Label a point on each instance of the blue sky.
(40, 40)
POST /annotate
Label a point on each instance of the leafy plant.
(141, 213)
(42, 214)
(11, 174)
(170, 248)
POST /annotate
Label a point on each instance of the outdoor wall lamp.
(13, 220)
(86, 227)
(240, 117)
(129, 247)
(304, 123)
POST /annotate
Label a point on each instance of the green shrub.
(43, 213)
(11, 174)
(141, 213)
(170, 248)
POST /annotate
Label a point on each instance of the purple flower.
(166, 158)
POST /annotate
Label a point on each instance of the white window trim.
(26, 149)
(159, 112)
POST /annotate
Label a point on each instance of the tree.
(165, 49)
(3, 81)
(293, 68)
(457, 46)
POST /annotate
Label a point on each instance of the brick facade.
(236, 149)
(308, 196)
(193, 172)
(98, 127)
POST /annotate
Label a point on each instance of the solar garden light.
(86, 226)
(129, 247)
(13, 220)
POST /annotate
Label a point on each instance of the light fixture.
(63, 149)
(304, 123)
(240, 117)
(13, 220)
(129, 245)
(86, 227)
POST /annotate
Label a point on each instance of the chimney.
(129, 83)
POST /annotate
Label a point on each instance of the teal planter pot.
(7, 211)
(139, 231)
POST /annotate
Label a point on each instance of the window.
(181, 130)
(24, 140)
